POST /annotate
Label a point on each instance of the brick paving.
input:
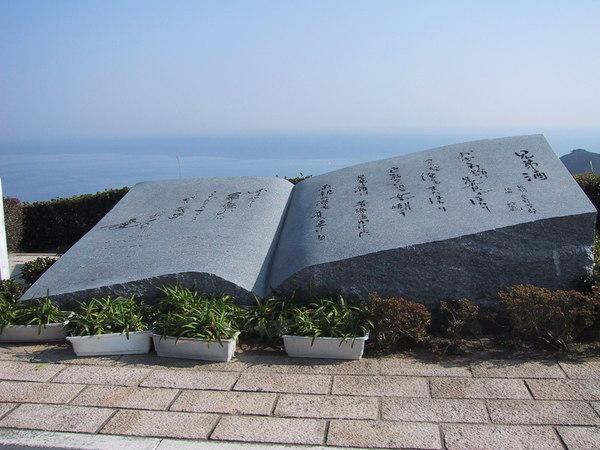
(395, 402)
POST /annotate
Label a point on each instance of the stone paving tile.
(152, 361)
(588, 369)
(565, 389)
(24, 371)
(34, 392)
(285, 364)
(161, 424)
(434, 410)
(64, 354)
(283, 382)
(270, 429)
(5, 408)
(57, 418)
(18, 352)
(414, 367)
(596, 406)
(257, 403)
(517, 369)
(116, 376)
(12, 438)
(370, 433)
(186, 379)
(380, 386)
(126, 397)
(542, 412)
(580, 438)
(474, 437)
(479, 388)
(327, 406)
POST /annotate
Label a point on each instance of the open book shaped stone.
(458, 221)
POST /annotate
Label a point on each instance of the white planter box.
(111, 344)
(32, 333)
(324, 347)
(187, 348)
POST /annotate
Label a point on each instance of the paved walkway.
(258, 397)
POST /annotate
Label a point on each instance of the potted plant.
(327, 328)
(36, 321)
(189, 325)
(109, 326)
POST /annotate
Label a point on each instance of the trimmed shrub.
(11, 290)
(590, 184)
(57, 224)
(34, 269)
(13, 221)
(553, 318)
(460, 318)
(398, 321)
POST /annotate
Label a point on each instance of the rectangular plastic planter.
(32, 333)
(111, 344)
(187, 348)
(324, 347)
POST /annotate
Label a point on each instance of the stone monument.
(459, 221)
(4, 268)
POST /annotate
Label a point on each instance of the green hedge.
(57, 224)
(13, 221)
(590, 183)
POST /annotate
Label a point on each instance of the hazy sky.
(118, 68)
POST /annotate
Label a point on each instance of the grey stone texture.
(32, 392)
(216, 235)
(327, 407)
(161, 423)
(57, 418)
(126, 397)
(580, 438)
(463, 220)
(500, 436)
(257, 403)
(371, 433)
(270, 429)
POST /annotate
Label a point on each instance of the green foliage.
(328, 317)
(41, 313)
(34, 269)
(268, 318)
(107, 315)
(13, 222)
(590, 184)
(59, 223)
(553, 318)
(11, 290)
(398, 321)
(184, 313)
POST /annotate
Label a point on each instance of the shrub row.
(13, 222)
(590, 184)
(57, 224)
(533, 316)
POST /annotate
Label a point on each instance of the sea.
(33, 170)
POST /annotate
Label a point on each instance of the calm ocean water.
(48, 169)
